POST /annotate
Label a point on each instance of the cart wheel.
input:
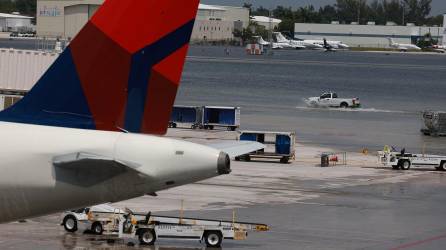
(213, 238)
(396, 167)
(443, 166)
(97, 228)
(174, 125)
(70, 223)
(147, 237)
(285, 160)
(247, 158)
(405, 165)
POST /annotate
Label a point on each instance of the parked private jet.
(84, 135)
(282, 41)
(260, 41)
(401, 46)
(333, 44)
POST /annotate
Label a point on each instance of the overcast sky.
(438, 6)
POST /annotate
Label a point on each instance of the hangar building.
(13, 22)
(65, 18)
(369, 35)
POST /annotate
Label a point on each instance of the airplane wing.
(86, 170)
(238, 148)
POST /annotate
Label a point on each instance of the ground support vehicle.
(404, 161)
(435, 123)
(186, 116)
(215, 116)
(332, 100)
(148, 228)
(279, 145)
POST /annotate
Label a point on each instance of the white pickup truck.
(331, 100)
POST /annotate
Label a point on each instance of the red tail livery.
(121, 72)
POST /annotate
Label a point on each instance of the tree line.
(400, 12)
(25, 7)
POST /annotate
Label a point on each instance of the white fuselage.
(31, 185)
(333, 44)
(403, 46)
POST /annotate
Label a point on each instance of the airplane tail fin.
(121, 72)
(391, 42)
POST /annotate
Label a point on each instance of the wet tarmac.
(403, 214)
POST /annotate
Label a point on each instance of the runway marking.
(418, 243)
(319, 63)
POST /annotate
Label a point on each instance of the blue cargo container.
(186, 116)
(214, 116)
(279, 145)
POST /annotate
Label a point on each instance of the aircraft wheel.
(405, 165)
(147, 237)
(97, 228)
(70, 223)
(213, 238)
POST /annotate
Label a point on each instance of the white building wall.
(51, 15)
(14, 62)
(212, 30)
(444, 30)
(237, 14)
(363, 35)
(76, 17)
(56, 19)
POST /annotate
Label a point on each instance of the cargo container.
(435, 122)
(13, 65)
(228, 117)
(279, 145)
(186, 116)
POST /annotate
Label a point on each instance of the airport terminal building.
(64, 19)
(369, 35)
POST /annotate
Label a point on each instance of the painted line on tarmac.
(317, 63)
(418, 243)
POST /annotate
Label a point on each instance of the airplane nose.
(223, 164)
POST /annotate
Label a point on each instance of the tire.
(70, 223)
(213, 238)
(147, 237)
(344, 105)
(405, 165)
(442, 166)
(97, 228)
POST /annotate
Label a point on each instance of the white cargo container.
(20, 69)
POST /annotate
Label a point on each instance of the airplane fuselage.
(33, 182)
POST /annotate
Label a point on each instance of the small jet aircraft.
(332, 44)
(282, 41)
(328, 47)
(401, 46)
(84, 135)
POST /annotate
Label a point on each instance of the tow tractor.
(404, 161)
(148, 228)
